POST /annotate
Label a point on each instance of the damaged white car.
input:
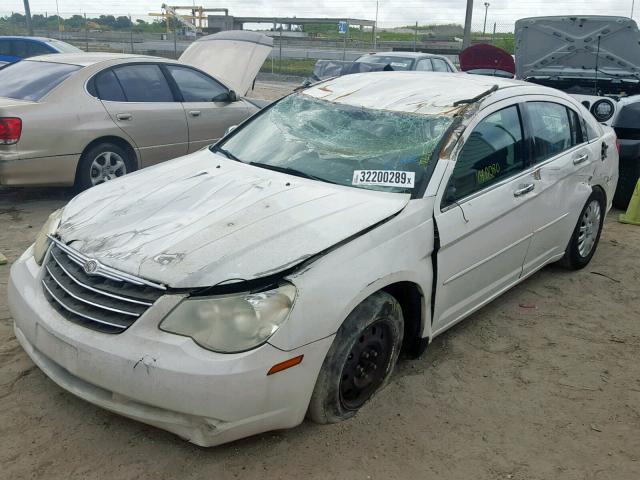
(280, 273)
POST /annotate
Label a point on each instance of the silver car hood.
(233, 57)
(567, 46)
(203, 220)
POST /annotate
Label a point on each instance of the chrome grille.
(105, 300)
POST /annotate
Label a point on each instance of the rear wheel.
(360, 360)
(101, 163)
(586, 235)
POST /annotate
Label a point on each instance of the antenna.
(595, 83)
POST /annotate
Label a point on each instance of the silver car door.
(482, 218)
(207, 106)
(140, 101)
(563, 161)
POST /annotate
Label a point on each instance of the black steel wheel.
(360, 360)
(364, 371)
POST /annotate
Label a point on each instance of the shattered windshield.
(342, 144)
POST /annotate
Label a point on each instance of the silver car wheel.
(107, 166)
(589, 226)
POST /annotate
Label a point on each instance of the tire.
(584, 239)
(629, 174)
(360, 360)
(116, 158)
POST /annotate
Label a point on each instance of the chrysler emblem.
(90, 266)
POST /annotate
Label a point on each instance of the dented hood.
(233, 57)
(202, 220)
(567, 46)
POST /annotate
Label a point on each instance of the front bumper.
(162, 379)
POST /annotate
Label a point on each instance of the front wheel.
(586, 235)
(360, 360)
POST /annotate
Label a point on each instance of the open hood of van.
(233, 57)
(486, 57)
(572, 46)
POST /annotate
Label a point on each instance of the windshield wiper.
(290, 171)
(225, 152)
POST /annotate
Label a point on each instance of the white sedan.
(280, 272)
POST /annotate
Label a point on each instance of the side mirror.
(229, 97)
(230, 129)
(450, 196)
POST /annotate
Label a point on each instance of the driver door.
(483, 227)
(208, 120)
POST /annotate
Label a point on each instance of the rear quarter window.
(29, 80)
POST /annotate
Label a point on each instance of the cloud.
(391, 12)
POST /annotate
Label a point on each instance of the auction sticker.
(384, 178)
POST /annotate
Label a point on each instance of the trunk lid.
(572, 46)
(233, 57)
(486, 57)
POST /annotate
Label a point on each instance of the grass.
(302, 67)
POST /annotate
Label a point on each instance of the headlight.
(603, 110)
(232, 323)
(42, 241)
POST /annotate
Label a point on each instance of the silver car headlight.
(42, 240)
(232, 323)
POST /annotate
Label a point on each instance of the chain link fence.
(296, 49)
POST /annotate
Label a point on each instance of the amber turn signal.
(278, 367)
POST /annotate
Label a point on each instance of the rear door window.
(424, 65)
(439, 65)
(195, 86)
(36, 48)
(144, 83)
(107, 87)
(29, 80)
(550, 129)
(493, 152)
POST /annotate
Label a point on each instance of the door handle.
(580, 159)
(524, 189)
(194, 113)
(124, 116)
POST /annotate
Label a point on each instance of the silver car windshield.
(340, 144)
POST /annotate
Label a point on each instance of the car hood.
(486, 57)
(568, 46)
(203, 220)
(233, 57)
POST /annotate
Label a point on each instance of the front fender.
(333, 285)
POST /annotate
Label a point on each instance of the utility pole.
(633, 4)
(27, 14)
(375, 28)
(467, 25)
(486, 10)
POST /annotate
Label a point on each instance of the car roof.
(17, 37)
(428, 93)
(88, 59)
(405, 54)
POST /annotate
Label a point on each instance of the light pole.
(486, 10)
(375, 28)
(633, 4)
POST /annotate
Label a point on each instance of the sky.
(391, 12)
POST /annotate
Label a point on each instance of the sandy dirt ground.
(542, 384)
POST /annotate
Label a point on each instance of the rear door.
(564, 162)
(208, 109)
(483, 220)
(140, 101)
